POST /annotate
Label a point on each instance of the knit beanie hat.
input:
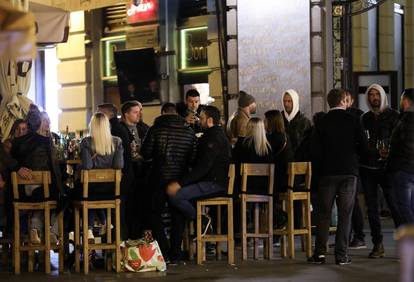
(245, 99)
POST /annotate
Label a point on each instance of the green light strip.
(183, 45)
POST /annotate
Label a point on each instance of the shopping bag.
(143, 256)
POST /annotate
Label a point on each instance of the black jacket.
(171, 146)
(213, 158)
(120, 131)
(357, 113)
(335, 143)
(36, 152)
(296, 129)
(402, 145)
(380, 127)
(183, 112)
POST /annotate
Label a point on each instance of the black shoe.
(343, 261)
(357, 244)
(377, 251)
(317, 259)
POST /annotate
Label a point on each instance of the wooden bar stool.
(287, 199)
(218, 237)
(39, 178)
(98, 176)
(266, 232)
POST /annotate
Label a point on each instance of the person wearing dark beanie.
(238, 121)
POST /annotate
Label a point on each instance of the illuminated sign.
(109, 46)
(139, 11)
(193, 46)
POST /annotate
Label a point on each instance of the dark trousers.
(343, 189)
(405, 195)
(158, 202)
(370, 179)
(358, 216)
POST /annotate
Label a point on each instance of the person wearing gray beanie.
(238, 121)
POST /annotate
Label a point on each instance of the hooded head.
(290, 102)
(377, 100)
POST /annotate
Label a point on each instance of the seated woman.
(281, 148)
(254, 148)
(100, 150)
(35, 151)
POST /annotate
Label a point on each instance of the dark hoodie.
(380, 126)
(402, 144)
(171, 146)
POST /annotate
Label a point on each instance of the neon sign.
(142, 11)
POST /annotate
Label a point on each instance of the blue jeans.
(404, 182)
(184, 197)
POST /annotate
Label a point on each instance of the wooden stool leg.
(61, 242)
(308, 227)
(16, 243)
(303, 225)
(270, 228)
(283, 237)
(85, 238)
(218, 247)
(108, 239)
(118, 236)
(200, 253)
(77, 240)
(256, 229)
(290, 227)
(30, 253)
(230, 233)
(244, 227)
(192, 233)
(47, 239)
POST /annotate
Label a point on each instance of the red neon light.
(146, 10)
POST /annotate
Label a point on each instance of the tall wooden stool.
(287, 198)
(218, 237)
(98, 176)
(265, 231)
(39, 178)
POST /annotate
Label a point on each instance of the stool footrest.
(102, 246)
(214, 238)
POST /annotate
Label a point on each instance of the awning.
(17, 33)
(52, 24)
(79, 5)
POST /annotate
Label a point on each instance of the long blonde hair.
(100, 132)
(256, 134)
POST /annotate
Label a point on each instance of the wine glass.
(383, 149)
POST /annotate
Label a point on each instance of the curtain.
(14, 86)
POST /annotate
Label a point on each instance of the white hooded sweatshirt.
(295, 109)
(384, 98)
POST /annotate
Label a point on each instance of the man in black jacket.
(209, 174)
(190, 109)
(296, 123)
(401, 158)
(171, 146)
(135, 177)
(377, 124)
(120, 131)
(334, 148)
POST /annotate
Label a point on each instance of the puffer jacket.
(171, 146)
(402, 145)
(380, 127)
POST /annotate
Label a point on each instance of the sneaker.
(377, 251)
(91, 237)
(317, 259)
(34, 237)
(71, 236)
(357, 244)
(343, 261)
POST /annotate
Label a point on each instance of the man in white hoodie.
(296, 123)
(378, 124)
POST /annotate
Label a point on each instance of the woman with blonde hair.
(100, 150)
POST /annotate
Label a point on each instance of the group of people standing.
(186, 153)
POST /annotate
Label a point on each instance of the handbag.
(143, 256)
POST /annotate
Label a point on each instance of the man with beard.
(209, 174)
(378, 124)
